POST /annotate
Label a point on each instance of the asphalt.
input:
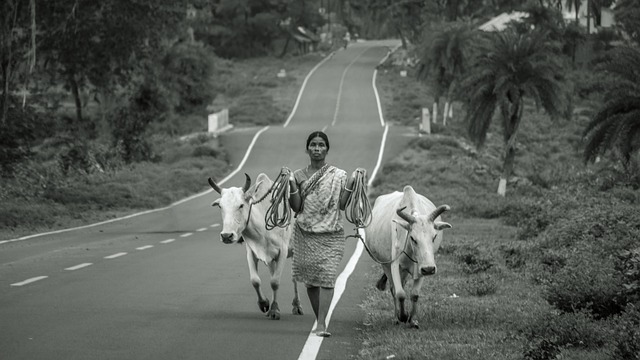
(161, 285)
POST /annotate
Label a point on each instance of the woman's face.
(317, 149)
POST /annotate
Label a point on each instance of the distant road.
(161, 285)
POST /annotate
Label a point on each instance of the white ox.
(243, 219)
(404, 236)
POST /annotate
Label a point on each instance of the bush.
(548, 334)
(481, 285)
(587, 282)
(473, 260)
(543, 349)
(627, 335)
(16, 136)
(188, 73)
(130, 123)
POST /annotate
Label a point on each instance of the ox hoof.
(413, 324)
(297, 310)
(403, 318)
(263, 305)
(274, 313)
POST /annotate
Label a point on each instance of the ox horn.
(437, 212)
(406, 217)
(214, 185)
(247, 183)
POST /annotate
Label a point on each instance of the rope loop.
(279, 212)
(358, 208)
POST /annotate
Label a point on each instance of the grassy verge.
(536, 275)
(45, 196)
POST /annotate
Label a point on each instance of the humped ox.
(404, 236)
(243, 220)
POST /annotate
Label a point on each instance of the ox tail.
(382, 283)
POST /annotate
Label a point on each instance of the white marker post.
(425, 126)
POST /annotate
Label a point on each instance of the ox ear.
(216, 203)
(402, 224)
(439, 225)
(252, 192)
(214, 185)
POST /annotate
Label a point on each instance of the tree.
(627, 14)
(616, 126)
(510, 66)
(94, 42)
(17, 43)
(17, 60)
(443, 61)
(383, 18)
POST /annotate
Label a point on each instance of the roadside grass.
(43, 196)
(504, 259)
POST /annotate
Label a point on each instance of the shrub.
(515, 257)
(473, 260)
(549, 333)
(130, 123)
(543, 349)
(203, 150)
(481, 285)
(16, 136)
(587, 282)
(188, 73)
(627, 335)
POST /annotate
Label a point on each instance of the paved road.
(162, 286)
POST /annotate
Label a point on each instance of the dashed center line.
(201, 229)
(115, 255)
(79, 266)
(29, 281)
(215, 225)
(186, 235)
(167, 241)
(144, 247)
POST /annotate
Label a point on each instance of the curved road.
(161, 285)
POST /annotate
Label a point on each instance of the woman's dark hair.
(316, 134)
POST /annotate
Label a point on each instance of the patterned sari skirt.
(316, 257)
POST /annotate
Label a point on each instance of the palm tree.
(509, 67)
(616, 126)
(442, 63)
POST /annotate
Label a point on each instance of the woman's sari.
(318, 240)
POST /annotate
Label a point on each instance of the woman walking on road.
(318, 194)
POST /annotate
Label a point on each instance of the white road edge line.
(167, 241)
(79, 266)
(115, 255)
(312, 345)
(144, 247)
(29, 281)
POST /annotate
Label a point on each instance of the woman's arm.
(294, 194)
(345, 193)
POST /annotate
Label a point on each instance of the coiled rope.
(358, 212)
(358, 208)
(279, 212)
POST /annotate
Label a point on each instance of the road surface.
(161, 285)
